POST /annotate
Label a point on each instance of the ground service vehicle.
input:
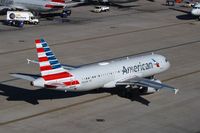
(24, 16)
(99, 9)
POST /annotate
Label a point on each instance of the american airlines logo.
(137, 68)
(156, 63)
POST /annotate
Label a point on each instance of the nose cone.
(168, 65)
(194, 12)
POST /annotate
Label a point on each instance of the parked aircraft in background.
(36, 6)
(196, 10)
(110, 1)
(131, 72)
(192, 14)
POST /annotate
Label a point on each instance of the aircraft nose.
(168, 65)
(193, 12)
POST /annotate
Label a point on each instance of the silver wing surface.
(138, 81)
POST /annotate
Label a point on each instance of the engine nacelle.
(40, 82)
(149, 89)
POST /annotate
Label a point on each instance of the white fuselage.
(196, 10)
(32, 5)
(106, 74)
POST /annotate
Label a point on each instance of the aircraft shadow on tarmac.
(186, 17)
(33, 96)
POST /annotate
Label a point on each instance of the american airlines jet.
(33, 5)
(130, 72)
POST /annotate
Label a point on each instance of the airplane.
(130, 72)
(114, 3)
(191, 14)
(196, 10)
(36, 6)
(109, 1)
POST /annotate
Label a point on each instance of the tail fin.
(50, 67)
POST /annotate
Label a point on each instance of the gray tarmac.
(86, 37)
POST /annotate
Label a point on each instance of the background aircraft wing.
(29, 77)
(146, 83)
(19, 7)
(73, 4)
(3, 9)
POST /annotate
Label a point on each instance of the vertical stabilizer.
(50, 67)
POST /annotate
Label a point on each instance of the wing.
(4, 7)
(73, 4)
(3, 10)
(29, 77)
(18, 7)
(146, 83)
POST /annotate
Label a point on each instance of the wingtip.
(176, 91)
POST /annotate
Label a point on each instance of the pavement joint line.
(143, 52)
(54, 110)
(183, 75)
(99, 37)
(83, 19)
(83, 102)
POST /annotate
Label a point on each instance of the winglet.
(176, 91)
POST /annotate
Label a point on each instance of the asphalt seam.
(98, 37)
(54, 110)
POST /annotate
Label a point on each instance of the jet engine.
(38, 82)
(149, 89)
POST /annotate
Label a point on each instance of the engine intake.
(38, 82)
(149, 89)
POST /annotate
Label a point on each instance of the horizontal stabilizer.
(67, 67)
(29, 77)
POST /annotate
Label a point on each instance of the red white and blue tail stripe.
(50, 67)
